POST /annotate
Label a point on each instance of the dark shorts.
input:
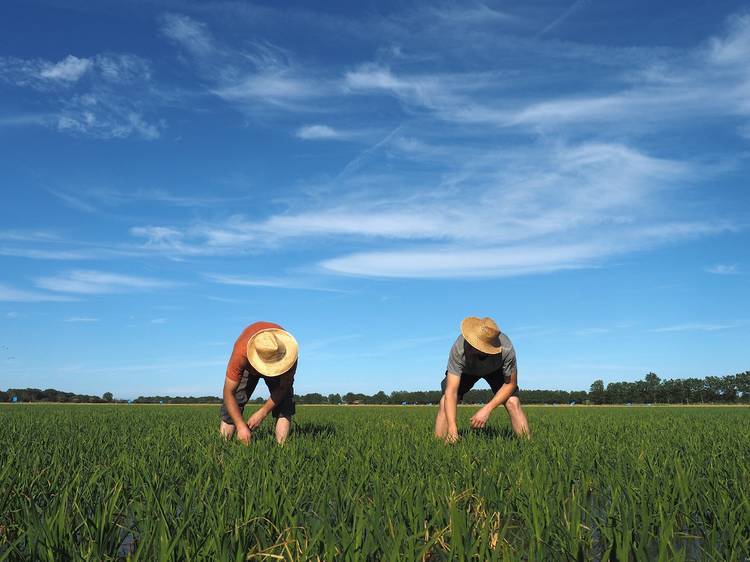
(494, 379)
(286, 409)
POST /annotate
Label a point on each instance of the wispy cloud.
(104, 96)
(92, 282)
(70, 69)
(565, 215)
(699, 327)
(101, 201)
(274, 283)
(84, 319)
(11, 294)
(724, 269)
(261, 73)
(573, 8)
(189, 33)
(318, 132)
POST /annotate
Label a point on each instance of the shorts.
(495, 379)
(285, 409)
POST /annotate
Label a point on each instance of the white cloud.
(533, 210)
(93, 282)
(11, 294)
(189, 33)
(468, 262)
(70, 69)
(259, 74)
(84, 319)
(318, 132)
(275, 283)
(723, 269)
(699, 327)
(105, 96)
(711, 80)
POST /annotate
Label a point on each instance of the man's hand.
(255, 420)
(244, 434)
(452, 436)
(479, 420)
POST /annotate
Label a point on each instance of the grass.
(370, 483)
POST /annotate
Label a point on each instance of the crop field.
(371, 483)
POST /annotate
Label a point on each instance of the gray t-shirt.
(459, 364)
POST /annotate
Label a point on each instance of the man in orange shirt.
(263, 350)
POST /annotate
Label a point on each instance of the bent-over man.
(482, 351)
(263, 351)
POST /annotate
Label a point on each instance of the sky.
(366, 175)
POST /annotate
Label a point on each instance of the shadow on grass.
(490, 432)
(315, 430)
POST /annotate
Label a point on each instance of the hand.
(479, 420)
(452, 436)
(244, 434)
(255, 420)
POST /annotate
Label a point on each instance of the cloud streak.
(105, 96)
(92, 282)
(11, 294)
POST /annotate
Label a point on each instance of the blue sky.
(367, 175)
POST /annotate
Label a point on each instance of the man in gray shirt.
(482, 351)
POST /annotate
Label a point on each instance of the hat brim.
(275, 368)
(470, 328)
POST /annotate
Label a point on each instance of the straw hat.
(482, 334)
(272, 352)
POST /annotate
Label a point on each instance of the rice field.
(370, 483)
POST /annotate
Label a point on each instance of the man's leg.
(517, 417)
(226, 430)
(283, 412)
(441, 421)
(283, 425)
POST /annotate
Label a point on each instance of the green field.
(370, 483)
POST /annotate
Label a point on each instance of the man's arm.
(233, 409)
(501, 397)
(278, 394)
(451, 405)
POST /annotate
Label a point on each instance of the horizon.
(366, 177)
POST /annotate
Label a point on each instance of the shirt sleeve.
(456, 358)
(509, 361)
(236, 365)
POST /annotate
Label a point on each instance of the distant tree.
(107, 397)
(334, 399)
(312, 398)
(596, 391)
(379, 398)
(742, 380)
(713, 388)
(652, 381)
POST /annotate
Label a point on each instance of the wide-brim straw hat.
(272, 352)
(482, 334)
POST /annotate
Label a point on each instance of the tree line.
(651, 390)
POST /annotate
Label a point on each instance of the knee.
(226, 430)
(513, 405)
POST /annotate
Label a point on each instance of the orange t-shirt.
(238, 362)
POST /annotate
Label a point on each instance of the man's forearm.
(451, 407)
(502, 395)
(275, 398)
(233, 409)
